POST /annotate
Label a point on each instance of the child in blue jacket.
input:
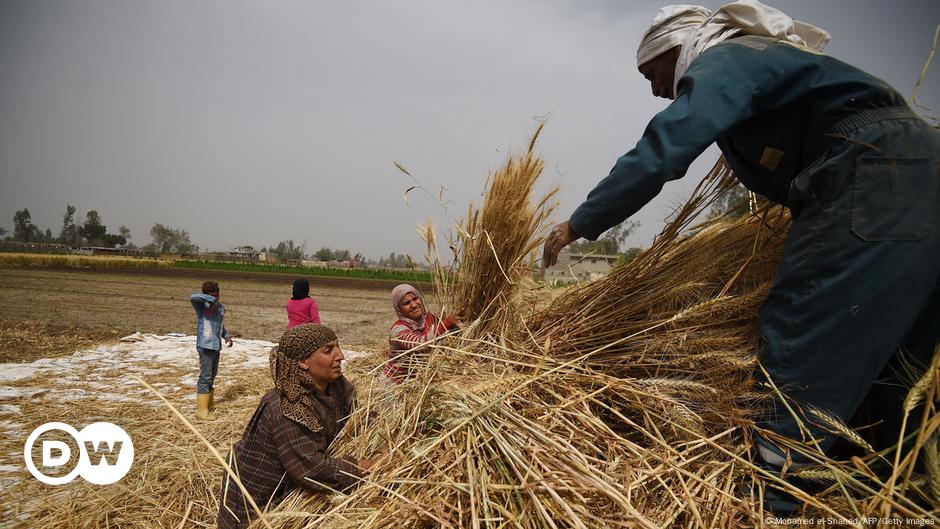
(210, 331)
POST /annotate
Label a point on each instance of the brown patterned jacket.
(277, 454)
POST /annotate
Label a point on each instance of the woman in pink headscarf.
(414, 327)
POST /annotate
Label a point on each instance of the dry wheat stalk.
(626, 403)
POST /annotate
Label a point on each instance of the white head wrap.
(669, 29)
(697, 32)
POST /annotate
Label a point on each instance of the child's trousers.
(208, 367)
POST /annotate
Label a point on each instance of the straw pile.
(32, 260)
(171, 474)
(621, 405)
(679, 319)
(625, 403)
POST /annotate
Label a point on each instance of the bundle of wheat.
(679, 316)
(495, 244)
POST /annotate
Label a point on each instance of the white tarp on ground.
(106, 372)
(136, 354)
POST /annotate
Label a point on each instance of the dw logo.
(105, 453)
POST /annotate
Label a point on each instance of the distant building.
(34, 247)
(242, 254)
(104, 250)
(348, 263)
(315, 263)
(573, 267)
(247, 251)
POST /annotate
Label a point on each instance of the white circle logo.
(105, 453)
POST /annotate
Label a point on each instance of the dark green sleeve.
(714, 96)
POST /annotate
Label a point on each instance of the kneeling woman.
(285, 444)
(414, 327)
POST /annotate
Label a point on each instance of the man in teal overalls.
(859, 171)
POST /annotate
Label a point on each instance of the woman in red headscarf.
(415, 326)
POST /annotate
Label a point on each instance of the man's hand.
(562, 235)
(228, 341)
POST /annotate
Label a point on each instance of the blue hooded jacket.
(210, 329)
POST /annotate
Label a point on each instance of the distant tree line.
(733, 203)
(614, 242)
(93, 232)
(170, 240)
(288, 250)
(396, 261)
(164, 239)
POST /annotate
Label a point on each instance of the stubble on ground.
(46, 313)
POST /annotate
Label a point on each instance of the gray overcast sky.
(253, 122)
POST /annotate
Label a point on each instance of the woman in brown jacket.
(285, 444)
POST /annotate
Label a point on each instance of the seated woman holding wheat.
(286, 444)
(415, 326)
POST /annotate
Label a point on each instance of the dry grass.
(614, 408)
(31, 260)
(174, 481)
(495, 243)
(628, 403)
(28, 340)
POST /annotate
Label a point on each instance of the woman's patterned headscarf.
(399, 293)
(293, 383)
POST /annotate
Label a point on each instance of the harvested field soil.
(46, 312)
